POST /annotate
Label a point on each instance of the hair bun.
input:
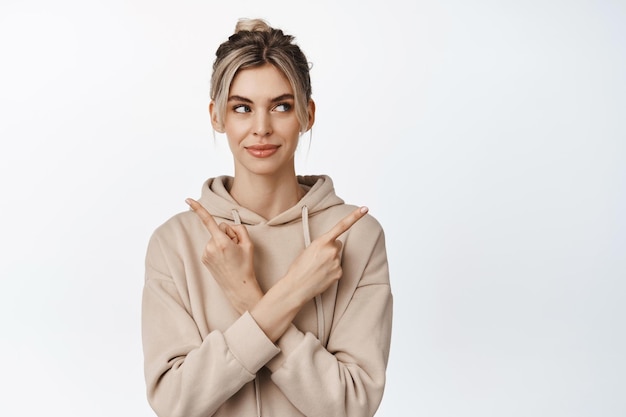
(252, 25)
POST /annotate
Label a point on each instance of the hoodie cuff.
(287, 343)
(249, 344)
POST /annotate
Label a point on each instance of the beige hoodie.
(203, 359)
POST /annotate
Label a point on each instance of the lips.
(262, 151)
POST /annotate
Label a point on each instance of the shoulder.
(174, 244)
(175, 224)
(364, 254)
(367, 224)
(179, 229)
(365, 232)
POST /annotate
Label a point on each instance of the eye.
(283, 107)
(241, 108)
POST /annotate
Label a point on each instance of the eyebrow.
(281, 97)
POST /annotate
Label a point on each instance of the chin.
(266, 169)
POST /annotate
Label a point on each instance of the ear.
(217, 125)
(311, 112)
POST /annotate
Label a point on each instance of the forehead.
(265, 81)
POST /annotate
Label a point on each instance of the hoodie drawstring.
(257, 383)
(236, 216)
(318, 299)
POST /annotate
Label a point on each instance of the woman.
(271, 296)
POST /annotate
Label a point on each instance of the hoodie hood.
(320, 195)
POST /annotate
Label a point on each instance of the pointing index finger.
(206, 218)
(346, 223)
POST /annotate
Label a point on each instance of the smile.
(262, 151)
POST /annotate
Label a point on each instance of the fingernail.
(188, 201)
(364, 209)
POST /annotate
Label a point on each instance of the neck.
(267, 196)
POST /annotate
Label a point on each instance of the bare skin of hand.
(229, 256)
(319, 265)
(312, 272)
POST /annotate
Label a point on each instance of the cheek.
(235, 131)
(291, 125)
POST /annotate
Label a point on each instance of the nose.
(263, 125)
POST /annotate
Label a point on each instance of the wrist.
(246, 296)
(276, 310)
(289, 293)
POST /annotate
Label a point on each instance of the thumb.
(229, 231)
(242, 234)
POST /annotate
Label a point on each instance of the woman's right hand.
(229, 256)
(310, 274)
(319, 265)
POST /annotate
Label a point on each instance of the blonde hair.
(253, 44)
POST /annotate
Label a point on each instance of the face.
(260, 122)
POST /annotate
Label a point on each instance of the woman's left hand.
(229, 257)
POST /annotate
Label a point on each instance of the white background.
(487, 137)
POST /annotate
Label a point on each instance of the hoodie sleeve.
(347, 377)
(186, 374)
